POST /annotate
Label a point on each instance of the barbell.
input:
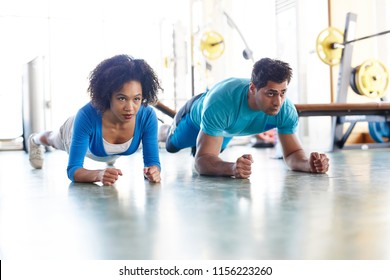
(371, 78)
(330, 44)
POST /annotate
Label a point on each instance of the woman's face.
(126, 102)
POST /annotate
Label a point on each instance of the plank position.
(241, 107)
(114, 123)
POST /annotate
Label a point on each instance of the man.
(239, 107)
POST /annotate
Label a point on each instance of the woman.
(112, 124)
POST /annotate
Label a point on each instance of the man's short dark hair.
(267, 69)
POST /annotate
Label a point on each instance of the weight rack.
(342, 112)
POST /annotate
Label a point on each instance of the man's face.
(268, 99)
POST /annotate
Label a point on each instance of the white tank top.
(112, 149)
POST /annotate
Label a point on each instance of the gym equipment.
(212, 45)
(247, 52)
(377, 114)
(343, 109)
(325, 40)
(330, 43)
(379, 131)
(371, 79)
(165, 109)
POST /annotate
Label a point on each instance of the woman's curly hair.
(267, 69)
(111, 74)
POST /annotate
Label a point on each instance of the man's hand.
(242, 169)
(319, 163)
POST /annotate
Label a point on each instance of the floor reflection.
(276, 214)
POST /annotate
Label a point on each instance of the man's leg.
(225, 142)
(181, 135)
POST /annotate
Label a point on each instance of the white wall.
(254, 19)
(74, 36)
(313, 74)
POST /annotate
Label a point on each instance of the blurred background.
(49, 47)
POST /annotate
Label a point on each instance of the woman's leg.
(59, 140)
(36, 142)
(42, 138)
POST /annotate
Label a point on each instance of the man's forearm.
(213, 166)
(298, 161)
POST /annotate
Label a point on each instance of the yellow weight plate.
(372, 78)
(325, 51)
(212, 45)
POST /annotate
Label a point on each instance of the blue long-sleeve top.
(87, 134)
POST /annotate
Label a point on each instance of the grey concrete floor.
(277, 214)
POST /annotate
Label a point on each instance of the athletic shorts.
(62, 139)
(183, 132)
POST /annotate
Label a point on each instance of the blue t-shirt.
(224, 111)
(87, 134)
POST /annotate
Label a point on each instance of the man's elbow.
(199, 166)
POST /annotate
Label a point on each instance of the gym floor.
(277, 214)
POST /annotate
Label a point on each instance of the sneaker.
(35, 153)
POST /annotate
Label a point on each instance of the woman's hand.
(152, 173)
(109, 176)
